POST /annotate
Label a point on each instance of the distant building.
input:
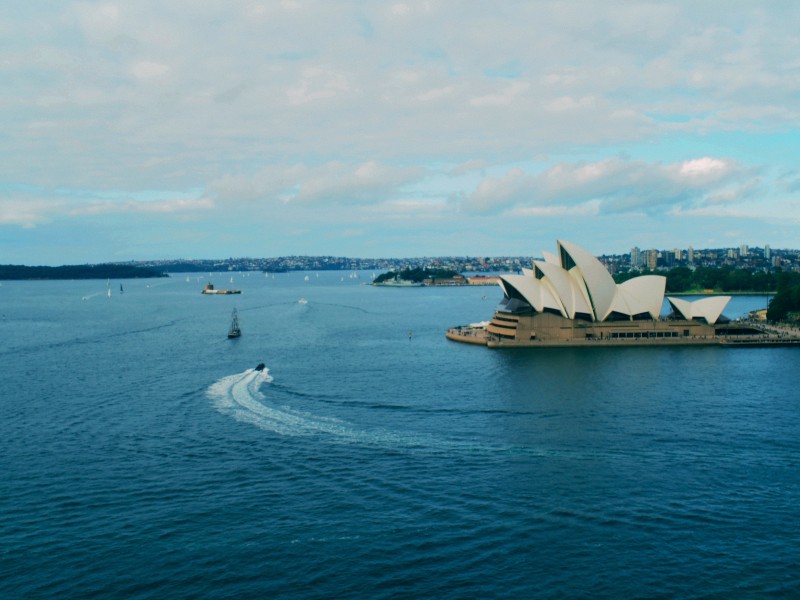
(767, 252)
(636, 257)
(691, 255)
(652, 259)
(743, 250)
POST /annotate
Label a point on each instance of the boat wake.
(241, 397)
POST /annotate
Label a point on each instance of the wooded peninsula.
(103, 271)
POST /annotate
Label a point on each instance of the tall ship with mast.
(235, 331)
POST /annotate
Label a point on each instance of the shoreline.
(771, 335)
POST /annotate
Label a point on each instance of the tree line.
(785, 285)
(417, 275)
(104, 271)
(785, 302)
(724, 279)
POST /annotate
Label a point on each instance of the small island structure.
(209, 289)
(430, 277)
(569, 299)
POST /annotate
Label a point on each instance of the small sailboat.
(121, 291)
(302, 301)
(235, 331)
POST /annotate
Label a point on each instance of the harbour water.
(143, 457)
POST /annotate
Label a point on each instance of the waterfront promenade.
(770, 335)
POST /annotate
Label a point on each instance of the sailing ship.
(235, 331)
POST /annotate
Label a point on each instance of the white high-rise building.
(767, 252)
(743, 250)
(691, 255)
(636, 257)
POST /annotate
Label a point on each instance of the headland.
(100, 271)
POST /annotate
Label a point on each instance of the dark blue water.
(143, 458)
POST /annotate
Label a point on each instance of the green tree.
(785, 301)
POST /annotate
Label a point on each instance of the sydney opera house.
(570, 299)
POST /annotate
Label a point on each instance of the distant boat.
(209, 289)
(302, 301)
(306, 278)
(121, 291)
(235, 331)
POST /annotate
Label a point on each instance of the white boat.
(302, 301)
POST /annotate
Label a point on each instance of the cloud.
(27, 213)
(317, 83)
(783, 212)
(332, 183)
(147, 69)
(468, 167)
(32, 207)
(616, 184)
(162, 207)
(276, 106)
(504, 96)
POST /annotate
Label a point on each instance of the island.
(419, 277)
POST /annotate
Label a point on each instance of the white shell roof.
(536, 294)
(598, 280)
(566, 288)
(709, 308)
(644, 294)
(530, 289)
(551, 258)
(587, 287)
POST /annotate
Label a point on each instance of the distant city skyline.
(165, 130)
(756, 259)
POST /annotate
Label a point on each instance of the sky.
(181, 129)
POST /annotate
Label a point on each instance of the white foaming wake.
(240, 396)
